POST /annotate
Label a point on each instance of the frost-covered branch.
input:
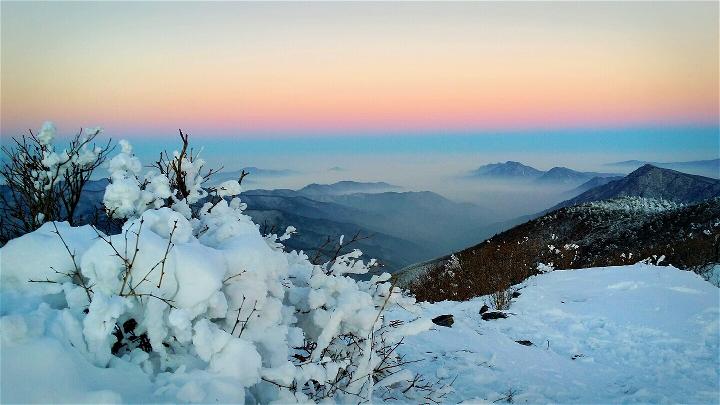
(43, 183)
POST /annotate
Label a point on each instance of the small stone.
(515, 294)
(525, 342)
(484, 309)
(493, 315)
(444, 320)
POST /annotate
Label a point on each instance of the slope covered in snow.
(636, 333)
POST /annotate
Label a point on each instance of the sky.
(304, 85)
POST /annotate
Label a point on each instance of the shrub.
(42, 183)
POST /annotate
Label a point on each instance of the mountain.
(563, 175)
(429, 221)
(406, 227)
(314, 229)
(347, 187)
(660, 183)
(708, 168)
(507, 170)
(653, 182)
(607, 233)
(592, 183)
(518, 171)
(425, 218)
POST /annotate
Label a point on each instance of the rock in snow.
(444, 320)
(489, 316)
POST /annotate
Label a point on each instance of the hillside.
(592, 183)
(608, 233)
(316, 221)
(653, 182)
(631, 334)
(647, 181)
(708, 168)
(589, 336)
(425, 218)
(563, 175)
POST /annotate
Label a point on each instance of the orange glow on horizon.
(374, 67)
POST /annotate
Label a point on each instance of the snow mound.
(636, 333)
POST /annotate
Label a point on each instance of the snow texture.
(631, 334)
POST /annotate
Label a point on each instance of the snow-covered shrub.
(632, 204)
(500, 300)
(43, 183)
(213, 311)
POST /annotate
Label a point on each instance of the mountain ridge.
(652, 182)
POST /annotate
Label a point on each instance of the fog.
(445, 174)
(440, 163)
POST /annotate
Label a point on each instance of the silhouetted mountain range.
(426, 220)
(708, 168)
(652, 182)
(563, 175)
(507, 170)
(511, 170)
(648, 181)
(347, 187)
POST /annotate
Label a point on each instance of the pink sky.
(243, 68)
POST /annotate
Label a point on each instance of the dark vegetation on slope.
(617, 232)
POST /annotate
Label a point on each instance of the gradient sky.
(251, 70)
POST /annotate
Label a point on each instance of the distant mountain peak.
(509, 169)
(564, 175)
(348, 187)
(647, 168)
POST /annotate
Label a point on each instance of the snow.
(638, 333)
(47, 133)
(228, 188)
(631, 204)
(41, 256)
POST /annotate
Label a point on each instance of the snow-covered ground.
(623, 334)
(608, 335)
